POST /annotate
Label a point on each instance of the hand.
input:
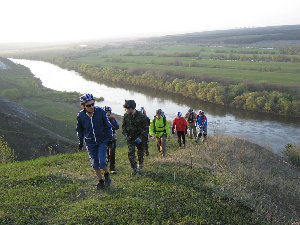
(109, 143)
(138, 140)
(80, 146)
(153, 137)
(169, 138)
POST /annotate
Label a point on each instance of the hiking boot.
(113, 172)
(140, 167)
(134, 171)
(204, 139)
(100, 184)
(107, 179)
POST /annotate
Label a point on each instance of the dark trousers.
(180, 134)
(111, 155)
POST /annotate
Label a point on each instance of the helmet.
(190, 110)
(107, 108)
(142, 110)
(179, 114)
(201, 111)
(85, 98)
(129, 104)
(159, 112)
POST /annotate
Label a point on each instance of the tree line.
(278, 57)
(236, 95)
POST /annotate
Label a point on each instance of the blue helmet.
(85, 98)
(107, 108)
(179, 114)
(201, 111)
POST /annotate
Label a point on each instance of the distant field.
(157, 58)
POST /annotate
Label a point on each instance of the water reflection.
(271, 131)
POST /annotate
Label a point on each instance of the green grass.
(191, 186)
(284, 73)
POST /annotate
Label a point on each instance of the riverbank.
(262, 129)
(226, 181)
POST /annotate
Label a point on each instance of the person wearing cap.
(133, 128)
(145, 137)
(201, 123)
(180, 125)
(94, 128)
(159, 129)
(111, 148)
(190, 117)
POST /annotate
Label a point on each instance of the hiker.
(94, 128)
(159, 129)
(201, 123)
(133, 128)
(190, 118)
(145, 137)
(180, 125)
(111, 148)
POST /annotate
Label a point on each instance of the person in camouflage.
(190, 117)
(133, 127)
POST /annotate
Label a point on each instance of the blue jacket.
(95, 129)
(201, 121)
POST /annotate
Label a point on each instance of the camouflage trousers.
(161, 144)
(145, 144)
(131, 153)
(191, 130)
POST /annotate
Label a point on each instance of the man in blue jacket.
(94, 128)
(201, 123)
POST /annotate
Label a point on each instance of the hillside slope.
(35, 121)
(281, 35)
(226, 181)
(23, 131)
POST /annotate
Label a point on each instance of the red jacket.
(179, 124)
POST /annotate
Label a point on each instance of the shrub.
(292, 153)
(7, 154)
(12, 94)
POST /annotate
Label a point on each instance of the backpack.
(191, 119)
(154, 127)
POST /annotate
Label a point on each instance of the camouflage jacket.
(135, 125)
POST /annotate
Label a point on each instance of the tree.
(7, 154)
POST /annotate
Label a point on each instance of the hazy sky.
(68, 20)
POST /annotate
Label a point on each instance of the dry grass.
(248, 173)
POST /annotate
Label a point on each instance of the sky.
(72, 20)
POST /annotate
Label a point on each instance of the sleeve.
(196, 120)
(80, 130)
(184, 122)
(186, 116)
(114, 123)
(124, 132)
(151, 128)
(107, 125)
(173, 126)
(167, 127)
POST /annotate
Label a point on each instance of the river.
(270, 131)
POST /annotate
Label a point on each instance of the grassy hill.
(226, 181)
(28, 133)
(289, 34)
(35, 121)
